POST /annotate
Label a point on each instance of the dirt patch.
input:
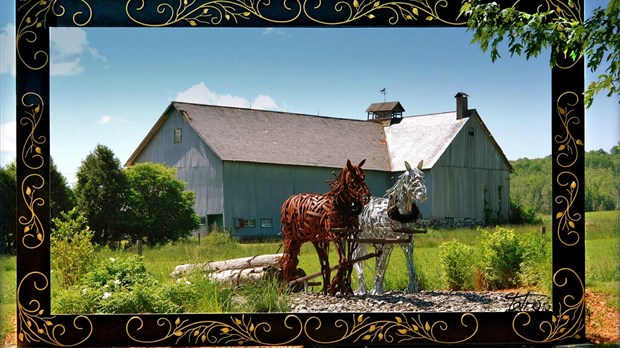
(602, 321)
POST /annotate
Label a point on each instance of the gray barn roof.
(247, 135)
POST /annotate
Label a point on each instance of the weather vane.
(384, 92)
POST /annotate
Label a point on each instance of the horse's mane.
(400, 182)
(337, 184)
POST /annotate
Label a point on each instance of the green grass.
(7, 294)
(603, 254)
(602, 263)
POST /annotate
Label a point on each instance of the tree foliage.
(158, 208)
(100, 191)
(597, 38)
(530, 184)
(7, 208)
(61, 195)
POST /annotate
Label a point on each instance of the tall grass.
(7, 294)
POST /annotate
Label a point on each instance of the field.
(602, 265)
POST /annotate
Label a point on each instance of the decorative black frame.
(36, 326)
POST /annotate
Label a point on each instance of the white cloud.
(201, 94)
(274, 31)
(7, 50)
(105, 119)
(68, 46)
(264, 102)
(8, 138)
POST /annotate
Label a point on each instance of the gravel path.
(424, 301)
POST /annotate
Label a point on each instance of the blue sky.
(109, 86)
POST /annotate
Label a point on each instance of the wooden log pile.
(233, 271)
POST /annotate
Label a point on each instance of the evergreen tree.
(100, 191)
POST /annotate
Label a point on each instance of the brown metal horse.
(310, 217)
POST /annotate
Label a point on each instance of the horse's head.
(408, 189)
(349, 188)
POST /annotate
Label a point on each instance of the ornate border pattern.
(36, 326)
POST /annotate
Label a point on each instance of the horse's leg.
(380, 268)
(342, 281)
(413, 276)
(322, 249)
(359, 251)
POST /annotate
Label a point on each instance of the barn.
(243, 163)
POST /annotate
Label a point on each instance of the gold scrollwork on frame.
(208, 12)
(240, 330)
(32, 156)
(569, 146)
(569, 320)
(33, 229)
(214, 12)
(35, 327)
(401, 329)
(414, 10)
(34, 20)
(567, 218)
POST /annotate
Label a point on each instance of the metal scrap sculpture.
(382, 216)
(309, 217)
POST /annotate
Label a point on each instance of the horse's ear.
(407, 166)
(420, 164)
(349, 165)
(362, 162)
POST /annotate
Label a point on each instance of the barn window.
(203, 220)
(471, 131)
(266, 223)
(250, 223)
(177, 135)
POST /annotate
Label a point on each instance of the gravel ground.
(424, 301)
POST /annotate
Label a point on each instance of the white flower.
(117, 282)
(112, 259)
(106, 295)
(83, 291)
(188, 282)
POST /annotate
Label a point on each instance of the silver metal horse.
(379, 219)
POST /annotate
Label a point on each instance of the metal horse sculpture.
(379, 218)
(311, 217)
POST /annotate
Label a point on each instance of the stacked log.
(233, 271)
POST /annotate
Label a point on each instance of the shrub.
(535, 270)
(520, 214)
(124, 286)
(502, 255)
(457, 260)
(71, 249)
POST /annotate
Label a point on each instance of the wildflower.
(188, 282)
(106, 295)
(83, 291)
(112, 259)
(117, 282)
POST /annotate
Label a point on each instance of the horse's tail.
(289, 259)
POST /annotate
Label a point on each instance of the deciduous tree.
(159, 210)
(597, 38)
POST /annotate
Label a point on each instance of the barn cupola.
(461, 105)
(385, 111)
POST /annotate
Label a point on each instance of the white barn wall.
(468, 166)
